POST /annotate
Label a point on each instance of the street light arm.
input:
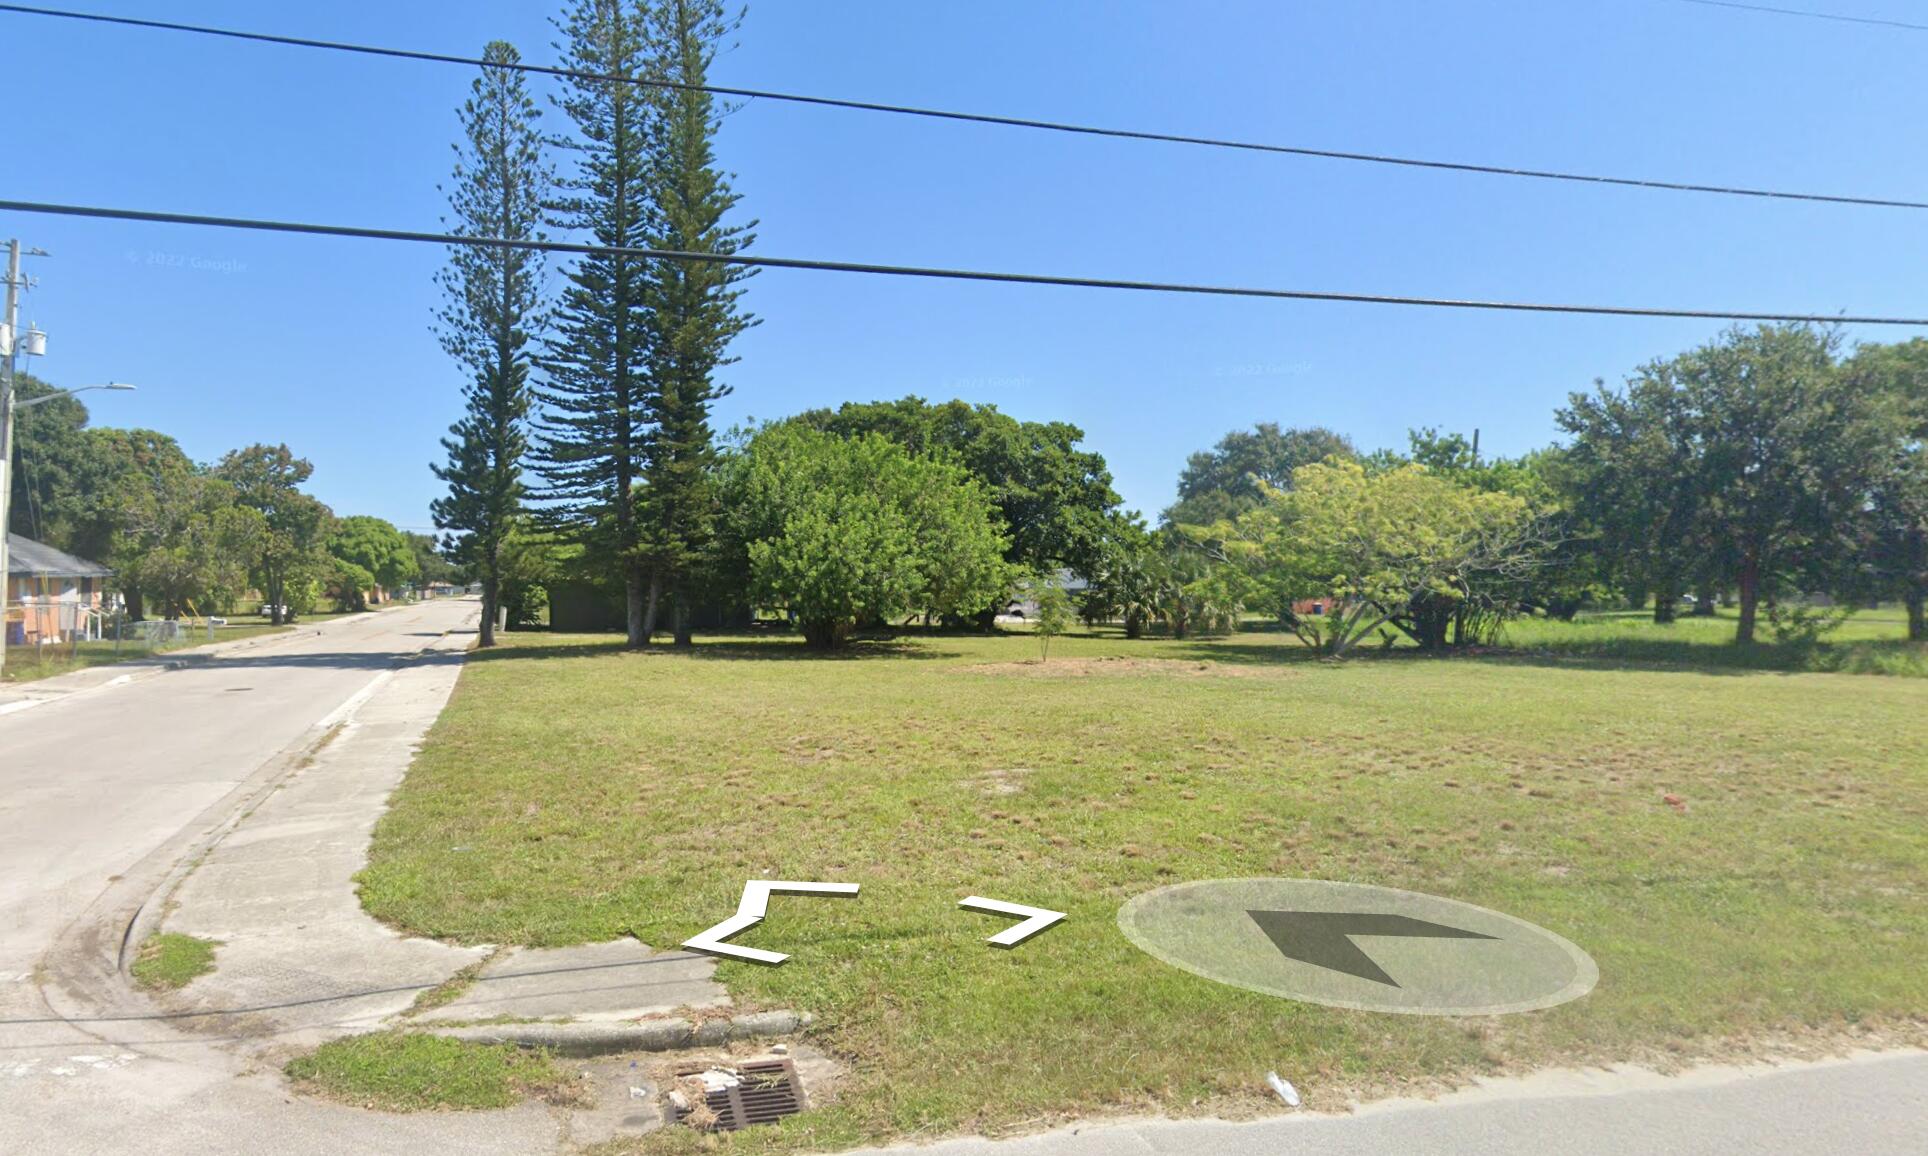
(28, 403)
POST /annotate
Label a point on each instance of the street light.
(29, 403)
(32, 343)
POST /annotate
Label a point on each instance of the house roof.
(28, 558)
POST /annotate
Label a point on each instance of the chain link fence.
(50, 634)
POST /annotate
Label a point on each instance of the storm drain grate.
(764, 1091)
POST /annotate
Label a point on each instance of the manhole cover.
(1354, 945)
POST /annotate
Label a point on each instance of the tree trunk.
(277, 611)
(132, 596)
(1704, 600)
(490, 593)
(633, 607)
(1750, 584)
(824, 634)
(681, 620)
(1917, 602)
(1666, 603)
(1134, 626)
(652, 606)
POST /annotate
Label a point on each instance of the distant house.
(52, 596)
(1025, 602)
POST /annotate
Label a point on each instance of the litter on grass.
(1284, 1088)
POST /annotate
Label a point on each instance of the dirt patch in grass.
(1121, 666)
(999, 781)
(169, 961)
(415, 1072)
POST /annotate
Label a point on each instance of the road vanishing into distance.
(102, 793)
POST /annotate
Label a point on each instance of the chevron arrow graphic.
(1324, 938)
(750, 911)
(1036, 919)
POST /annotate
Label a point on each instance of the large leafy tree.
(1573, 575)
(1632, 474)
(594, 391)
(692, 311)
(50, 464)
(1752, 458)
(375, 546)
(841, 531)
(1898, 529)
(492, 307)
(288, 558)
(431, 564)
(1228, 479)
(176, 538)
(1404, 548)
(1055, 498)
(195, 560)
(1793, 451)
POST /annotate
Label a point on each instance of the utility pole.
(9, 328)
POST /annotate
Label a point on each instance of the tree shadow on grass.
(1230, 650)
(779, 648)
(1892, 657)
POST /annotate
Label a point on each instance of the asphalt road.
(100, 793)
(1871, 1105)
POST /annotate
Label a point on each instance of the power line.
(971, 117)
(1810, 14)
(921, 271)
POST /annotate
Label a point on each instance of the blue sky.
(325, 344)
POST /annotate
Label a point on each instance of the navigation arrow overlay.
(749, 912)
(1324, 938)
(1036, 919)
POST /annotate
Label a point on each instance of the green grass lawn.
(573, 792)
(405, 1072)
(168, 961)
(25, 664)
(1868, 642)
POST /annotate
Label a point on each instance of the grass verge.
(169, 961)
(1868, 642)
(28, 664)
(413, 1072)
(573, 792)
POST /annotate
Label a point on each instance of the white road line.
(355, 701)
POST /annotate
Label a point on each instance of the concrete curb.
(603, 1039)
